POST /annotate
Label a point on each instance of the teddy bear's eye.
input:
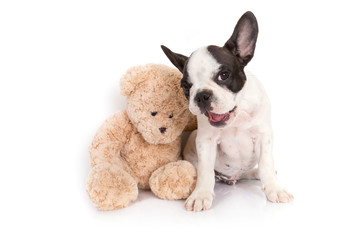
(153, 113)
(171, 116)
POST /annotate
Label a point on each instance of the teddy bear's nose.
(162, 130)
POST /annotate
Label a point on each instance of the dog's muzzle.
(203, 100)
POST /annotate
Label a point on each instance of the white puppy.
(233, 111)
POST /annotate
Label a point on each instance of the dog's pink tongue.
(216, 117)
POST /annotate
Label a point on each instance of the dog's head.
(214, 76)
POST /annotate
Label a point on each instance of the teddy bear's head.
(156, 104)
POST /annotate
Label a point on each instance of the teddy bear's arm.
(110, 138)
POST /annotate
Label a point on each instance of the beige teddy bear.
(140, 147)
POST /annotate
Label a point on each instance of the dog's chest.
(236, 153)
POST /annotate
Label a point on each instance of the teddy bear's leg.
(175, 180)
(110, 187)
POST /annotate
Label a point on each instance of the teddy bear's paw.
(175, 180)
(110, 187)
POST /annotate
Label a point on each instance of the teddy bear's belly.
(144, 158)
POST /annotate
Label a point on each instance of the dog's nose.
(203, 96)
(203, 100)
(162, 130)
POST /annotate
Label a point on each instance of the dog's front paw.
(199, 200)
(276, 194)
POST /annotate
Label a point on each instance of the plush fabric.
(143, 142)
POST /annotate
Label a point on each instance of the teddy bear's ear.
(130, 80)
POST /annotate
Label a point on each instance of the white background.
(60, 65)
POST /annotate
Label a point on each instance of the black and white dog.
(233, 111)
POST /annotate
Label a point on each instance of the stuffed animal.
(140, 146)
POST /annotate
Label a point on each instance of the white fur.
(237, 148)
(201, 69)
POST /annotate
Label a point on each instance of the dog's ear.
(177, 59)
(243, 40)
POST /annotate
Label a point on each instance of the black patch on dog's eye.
(185, 84)
(231, 69)
(153, 114)
(223, 76)
(171, 115)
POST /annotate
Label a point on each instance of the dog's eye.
(171, 116)
(153, 113)
(223, 76)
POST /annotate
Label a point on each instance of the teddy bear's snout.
(162, 130)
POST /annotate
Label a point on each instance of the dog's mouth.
(219, 120)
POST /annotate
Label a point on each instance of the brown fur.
(129, 147)
(165, 186)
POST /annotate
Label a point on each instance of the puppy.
(234, 129)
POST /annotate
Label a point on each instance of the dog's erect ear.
(243, 40)
(177, 59)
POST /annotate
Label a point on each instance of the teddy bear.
(140, 147)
